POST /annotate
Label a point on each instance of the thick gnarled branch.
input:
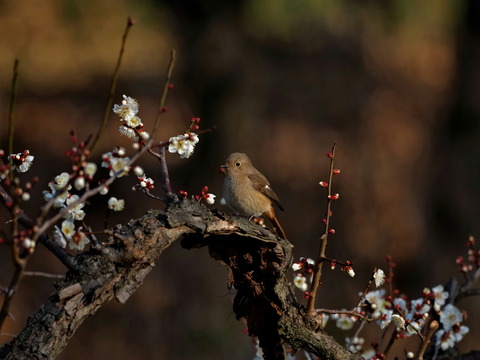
(257, 260)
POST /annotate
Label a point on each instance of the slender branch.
(164, 169)
(431, 330)
(113, 85)
(467, 293)
(13, 95)
(367, 287)
(166, 87)
(14, 283)
(350, 313)
(467, 288)
(43, 274)
(317, 275)
(23, 219)
(43, 226)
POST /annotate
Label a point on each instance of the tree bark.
(257, 260)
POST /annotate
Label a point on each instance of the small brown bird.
(248, 192)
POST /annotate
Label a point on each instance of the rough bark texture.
(257, 261)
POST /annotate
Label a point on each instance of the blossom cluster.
(304, 272)
(473, 258)
(61, 197)
(144, 183)
(408, 317)
(302, 278)
(184, 144)
(204, 195)
(133, 126)
(117, 162)
(82, 171)
(20, 162)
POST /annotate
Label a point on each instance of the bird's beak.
(223, 169)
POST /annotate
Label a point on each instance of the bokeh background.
(395, 83)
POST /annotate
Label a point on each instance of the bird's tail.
(271, 215)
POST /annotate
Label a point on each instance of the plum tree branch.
(256, 259)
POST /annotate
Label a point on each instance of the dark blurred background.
(394, 83)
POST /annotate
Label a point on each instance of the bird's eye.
(238, 164)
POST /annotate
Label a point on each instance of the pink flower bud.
(323, 184)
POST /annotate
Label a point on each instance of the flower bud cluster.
(82, 170)
(21, 161)
(205, 195)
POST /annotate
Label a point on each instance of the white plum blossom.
(58, 190)
(74, 212)
(345, 322)
(414, 327)
(104, 190)
(385, 319)
(79, 183)
(21, 161)
(210, 198)
(369, 354)
(297, 266)
(61, 181)
(459, 331)
(78, 241)
(59, 237)
(120, 166)
(184, 144)
(398, 321)
(379, 277)
(400, 303)
(29, 244)
(134, 122)
(138, 171)
(377, 302)
(59, 200)
(439, 297)
(323, 319)
(68, 229)
(445, 339)
(354, 344)
(90, 169)
(128, 109)
(128, 132)
(419, 306)
(128, 113)
(116, 204)
(144, 135)
(450, 316)
(300, 282)
(116, 162)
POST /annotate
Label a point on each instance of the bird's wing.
(261, 184)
